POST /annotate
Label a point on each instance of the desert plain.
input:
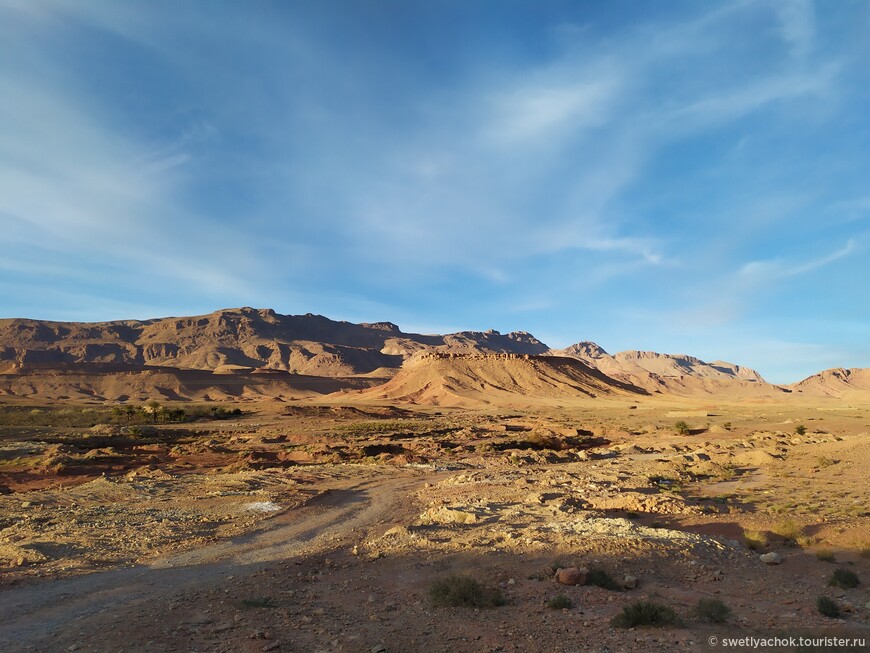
(247, 481)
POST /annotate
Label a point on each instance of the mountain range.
(258, 352)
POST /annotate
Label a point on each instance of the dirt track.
(36, 613)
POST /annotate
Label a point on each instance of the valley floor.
(315, 527)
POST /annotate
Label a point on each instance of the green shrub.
(828, 607)
(800, 429)
(600, 578)
(463, 592)
(682, 428)
(219, 412)
(560, 602)
(845, 578)
(644, 613)
(712, 611)
(259, 602)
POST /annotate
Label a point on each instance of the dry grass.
(458, 591)
(645, 613)
(755, 540)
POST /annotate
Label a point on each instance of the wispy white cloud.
(74, 187)
(771, 270)
(741, 100)
(541, 112)
(797, 25)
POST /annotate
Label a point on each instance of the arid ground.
(322, 525)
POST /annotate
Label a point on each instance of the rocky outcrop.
(242, 338)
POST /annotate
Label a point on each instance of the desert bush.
(600, 578)
(219, 412)
(800, 429)
(644, 613)
(844, 578)
(789, 531)
(755, 540)
(545, 441)
(825, 555)
(458, 591)
(682, 428)
(828, 607)
(259, 602)
(560, 602)
(712, 611)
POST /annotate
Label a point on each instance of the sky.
(683, 177)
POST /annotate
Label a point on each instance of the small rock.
(629, 582)
(271, 646)
(572, 576)
(380, 648)
(772, 558)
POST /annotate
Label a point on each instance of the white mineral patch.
(261, 506)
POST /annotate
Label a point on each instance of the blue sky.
(685, 177)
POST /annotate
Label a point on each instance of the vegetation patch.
(844, 578)
(259, 602)
(712, 611)
(560, 602)
(600, 578)
(645, 613)
(457, 591)
(828, 607)
(789, 531)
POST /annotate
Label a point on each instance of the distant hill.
(670, 373)
(98, 382)
(839, 383)
(471, 380)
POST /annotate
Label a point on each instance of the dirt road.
(34, 614)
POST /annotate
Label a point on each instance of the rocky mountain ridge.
(245, 340)
(242, 339)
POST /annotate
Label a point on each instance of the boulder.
(572, 576)
(772, 558)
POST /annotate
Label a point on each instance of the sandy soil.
(315, 527)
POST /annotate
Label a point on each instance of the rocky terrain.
(323, 527)
(479, 495)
